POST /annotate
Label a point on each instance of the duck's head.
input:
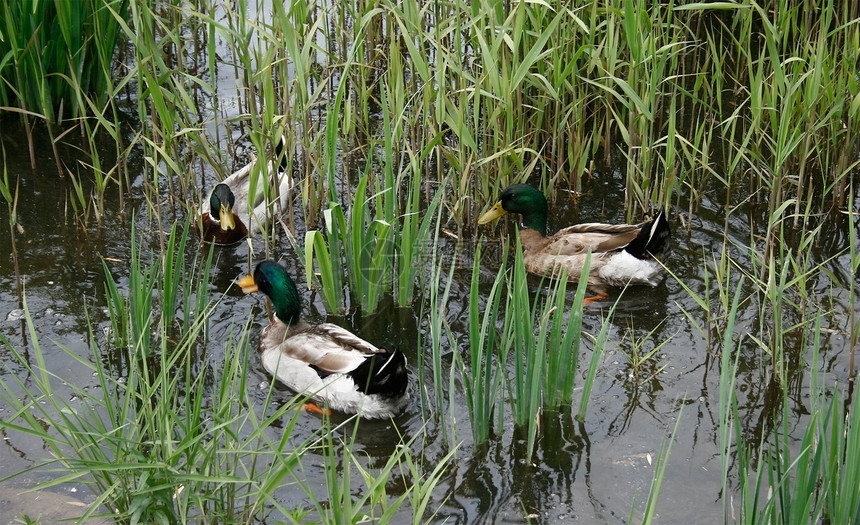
(221, 201)
(273, 280)
(523, 199)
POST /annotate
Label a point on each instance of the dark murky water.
(595, 471)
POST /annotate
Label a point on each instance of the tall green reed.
(638, 88)
(484, 373)
(541, 335)
(659, 473)
(529, 350)
(163, 438)
(165, 283)
(346, 503)
(440, 391)
(57, 62)
(594, 362)
(11, 199)
(853, 321)
(364, 244)
(413, 239)
(725, 99)
(728, 426)
(548, 90)
(167, 436)
(54, 51)
(784, 479)
(375, 249)
(166, 441)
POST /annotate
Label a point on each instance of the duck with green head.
(228, 228)
(331, 365)
(621, 254)
(230, 214)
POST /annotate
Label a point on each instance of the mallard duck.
(621, 254)
(326, 362)
(234, 220)
(228, 228)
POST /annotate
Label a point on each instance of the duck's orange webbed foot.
(313, 408)
(594, 298)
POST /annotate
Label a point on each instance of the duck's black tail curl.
(653, 240)
(384, 373)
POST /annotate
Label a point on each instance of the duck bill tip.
(247, 284)
(492, 214)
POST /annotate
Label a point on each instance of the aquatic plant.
(813, 479)
(342, 505)
(11, 199)
(439, 391)
(484, 373)
(363, 244)
(167, 435)
(541, 336)
(55, 51)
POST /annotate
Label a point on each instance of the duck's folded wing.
(596, 237)
(329, 348)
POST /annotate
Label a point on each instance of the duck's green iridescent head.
(523, 199)
(221, 201)
(273, 280)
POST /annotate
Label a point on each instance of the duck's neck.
(535, 220)
(288, 304)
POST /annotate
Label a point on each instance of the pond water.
(598, 470)
(591, 471)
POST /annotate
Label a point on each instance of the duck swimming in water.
(331, 365)
(621, 254)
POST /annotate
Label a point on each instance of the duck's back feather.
(328, 347)
(581, 238)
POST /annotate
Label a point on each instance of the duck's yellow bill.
(225, 217)
(494, 213)
(247, 283)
